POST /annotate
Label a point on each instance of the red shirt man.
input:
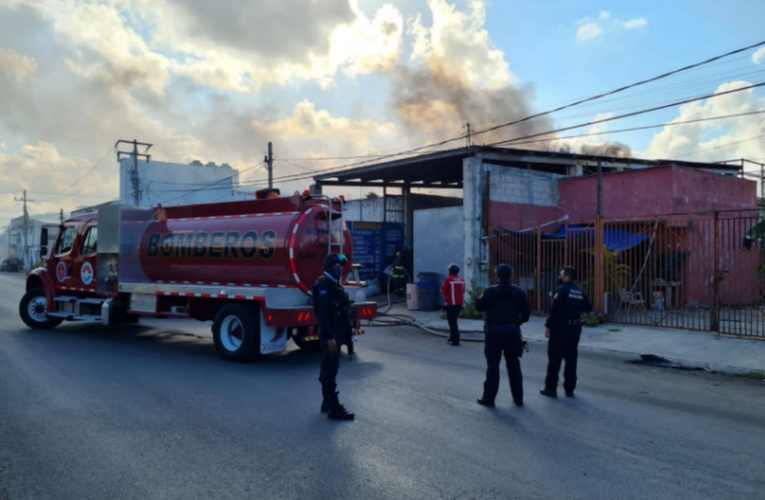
(453, 289)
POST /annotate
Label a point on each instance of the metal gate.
(691, 271)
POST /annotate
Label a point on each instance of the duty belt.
(574, 322)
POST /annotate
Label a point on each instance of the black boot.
(550, 393)
(327, 397)
(338, 411)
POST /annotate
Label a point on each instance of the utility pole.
(270, 161)
(25, 227)
(61, 216)
(467, 137)
(134, 179)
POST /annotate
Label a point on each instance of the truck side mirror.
(44, 235)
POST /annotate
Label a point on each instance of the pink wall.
(657, 191)
(696, 191)
(625, 195)
(521, 216)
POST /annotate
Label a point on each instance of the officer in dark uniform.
(333, 310)
(399, 276)
(507, 308)
(563, 328)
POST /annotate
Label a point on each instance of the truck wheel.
(34, 310)
(236, 333)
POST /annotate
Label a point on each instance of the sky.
(216, 81)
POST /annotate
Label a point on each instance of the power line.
(561, 108)
(296, 166)
(622, 89)
(629, 115)
(634, 129)
(296, 177)
(82, 177)
(212, 184)
(718, 147)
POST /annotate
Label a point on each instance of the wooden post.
(539, 270)
(715, 313)
(599, 288)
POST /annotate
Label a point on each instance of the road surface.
(150, 412)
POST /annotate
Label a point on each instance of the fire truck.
(247, 266)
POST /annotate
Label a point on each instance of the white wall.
(172, 184)
(438, 240)
(515, 185)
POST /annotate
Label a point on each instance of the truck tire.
(33, 310)
(236, 333)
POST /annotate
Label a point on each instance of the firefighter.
(333, 310)
(507, 308)
(267, 194)
(399, 276)
(453, 289)
(563, 328)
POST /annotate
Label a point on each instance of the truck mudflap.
(273, 339)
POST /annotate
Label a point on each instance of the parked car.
(11, 265)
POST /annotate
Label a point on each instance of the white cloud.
(588, 31)
(18, 66)
(587, 28)
(458, 46)
(41, 169)
(635, 23)
(306, 122)
(759, 56)
(233, 46)
(368, 45)
(702, 141)
(126, 59)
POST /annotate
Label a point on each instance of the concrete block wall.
(514, 185)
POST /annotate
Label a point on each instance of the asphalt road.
(150, 412)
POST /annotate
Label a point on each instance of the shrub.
(591, 319)
(469, 312)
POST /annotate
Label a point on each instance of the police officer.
(333, 310)
(507, 308)
(563, 328)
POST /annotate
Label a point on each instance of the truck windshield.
(65, 241)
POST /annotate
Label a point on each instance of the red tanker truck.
(248, 266)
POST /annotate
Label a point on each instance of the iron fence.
(690, 271)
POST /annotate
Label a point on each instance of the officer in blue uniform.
(507, 308)
(333, 310)
(563, 328)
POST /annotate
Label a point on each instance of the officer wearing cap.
(507, 308)
(563, 328)
(333, 310)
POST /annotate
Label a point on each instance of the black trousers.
(503, 339)
(330, 364)
(563, 346)
(453, 315)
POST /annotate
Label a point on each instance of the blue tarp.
(616, 240)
